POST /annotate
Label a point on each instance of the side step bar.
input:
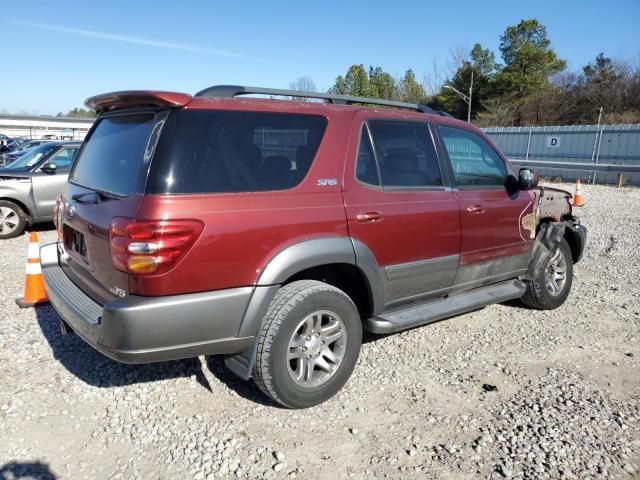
(432, 311)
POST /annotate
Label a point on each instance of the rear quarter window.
(205, 151)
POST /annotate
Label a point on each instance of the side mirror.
(528, 179)
(49, 168)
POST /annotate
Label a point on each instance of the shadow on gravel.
(515, 303)
(97, 370)
(41, 227)
(17, 470)
(246, 389)
(368, 337)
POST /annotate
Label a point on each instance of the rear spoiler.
(109, 102)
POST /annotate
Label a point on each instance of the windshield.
(31, 157)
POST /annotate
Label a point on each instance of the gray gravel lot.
(503, 392)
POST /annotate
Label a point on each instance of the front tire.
(308, 344)
(552, 285)
(12, 220)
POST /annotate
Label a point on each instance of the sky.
(58, 53)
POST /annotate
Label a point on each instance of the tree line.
(531, 86)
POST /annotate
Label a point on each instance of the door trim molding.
(422, 267)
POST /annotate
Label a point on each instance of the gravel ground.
(503, 392)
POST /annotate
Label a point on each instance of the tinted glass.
(473, 160)
(366, 170)
(406, 154)
(204, 151)
(113, 154)
(64, 158)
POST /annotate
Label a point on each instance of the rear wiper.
(99, 196)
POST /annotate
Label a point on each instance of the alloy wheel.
(9, 220)
(556, 273)
(316, 348)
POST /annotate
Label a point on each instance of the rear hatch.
(107, 181)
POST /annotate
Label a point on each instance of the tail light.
(143, 247)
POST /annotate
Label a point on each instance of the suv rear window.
(112, 155)
(405, 153)
(205, 151)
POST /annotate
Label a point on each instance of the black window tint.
(406, 154)
(204, 151)
(366, 169)
(474, 162)
(112, 156)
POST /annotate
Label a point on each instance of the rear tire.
(551, 287)
(13, 220)
(308, 344)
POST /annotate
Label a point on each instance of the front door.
(400, 211)
(494, 243)
(47, 186)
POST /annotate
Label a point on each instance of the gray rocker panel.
(427, 312)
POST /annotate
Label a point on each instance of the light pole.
(596, 153)
(466, 98)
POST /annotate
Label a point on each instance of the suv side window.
(366, 168)
(473, 161)
(406, 155)
(218, 151)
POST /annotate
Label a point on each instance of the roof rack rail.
(230, 91)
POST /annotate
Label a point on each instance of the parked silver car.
(30, 184)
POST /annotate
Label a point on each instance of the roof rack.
(230, 91)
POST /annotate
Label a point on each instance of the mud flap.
(241, 364)
(549, 236)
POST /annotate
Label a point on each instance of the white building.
(35, 127)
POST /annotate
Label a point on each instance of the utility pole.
(470, 96)
(467, 98)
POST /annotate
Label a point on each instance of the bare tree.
(499, 112)
(303, 84)
(433, 79)
(458, 56)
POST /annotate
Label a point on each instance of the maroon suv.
(274, 231)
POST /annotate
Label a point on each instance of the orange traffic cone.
(34, 292)
(578, 201)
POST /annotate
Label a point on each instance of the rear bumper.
(149, 329)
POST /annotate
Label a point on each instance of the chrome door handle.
(368, 217)
(475, 209)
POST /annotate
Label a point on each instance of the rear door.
(399, 208)
(494, 244)
(113, 160)
(47, 186)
